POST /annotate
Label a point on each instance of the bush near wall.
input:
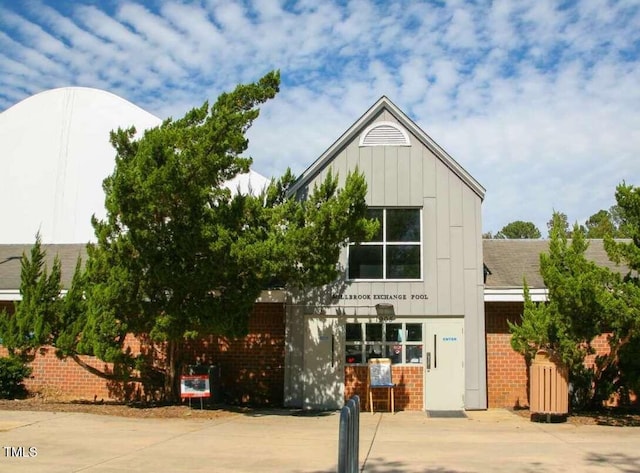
(13, 372)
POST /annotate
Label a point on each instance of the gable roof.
(509, 261)
(365, 120)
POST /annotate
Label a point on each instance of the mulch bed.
(182, 411)
(609, 417)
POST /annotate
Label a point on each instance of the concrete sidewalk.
(285, 441)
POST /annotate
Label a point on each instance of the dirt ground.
(183, 411)
(123, 410)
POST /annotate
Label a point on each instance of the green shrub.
(12, 374)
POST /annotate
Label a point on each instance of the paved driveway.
(281, 441)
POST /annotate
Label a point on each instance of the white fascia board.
(515, 295)
(14, 294)
(10, 295)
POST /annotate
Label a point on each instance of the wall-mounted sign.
(381, 297)
(196, 385)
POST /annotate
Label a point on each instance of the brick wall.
(408, 390)
(251, 368)
(507, 372)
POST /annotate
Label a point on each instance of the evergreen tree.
(519, 230)
(34, 320)
(178, 256)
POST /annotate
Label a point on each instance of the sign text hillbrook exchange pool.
(380, 297)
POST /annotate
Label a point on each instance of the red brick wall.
(408, 390)
(252, 368)
(507, 372)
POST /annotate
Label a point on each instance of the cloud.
(536, 99)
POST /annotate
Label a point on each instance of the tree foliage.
(578, 302)
(35, 318)
(608, 223)
(586, 301)
(519, 230)
(179, 256)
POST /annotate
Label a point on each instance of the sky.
(538, 100)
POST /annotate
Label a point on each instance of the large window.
(394, 252)
(402, 342)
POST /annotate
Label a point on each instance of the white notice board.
(380, 372)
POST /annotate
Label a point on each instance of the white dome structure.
(55, 153)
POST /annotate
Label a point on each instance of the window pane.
(414, 332)
(403, 262)
(353, 353)
(354, 332)
(365, 262)
(394, 333)
(414, 353)
(374, 332)
(395, 353)
(403, 225)
(376, 214)
(375, 351)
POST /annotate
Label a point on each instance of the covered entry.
(427, 356)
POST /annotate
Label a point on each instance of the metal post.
(349, 437)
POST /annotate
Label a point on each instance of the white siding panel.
(455, 200)
(377, 177)
(416, 174)
(444, 286)
(404, 183)
(479, 255)
(429, 250)
(391, 175)
(457, 273)
(294, 340)
(471, 232)
(442, 204)
(475, 350)
(428, 173)
(365, 165)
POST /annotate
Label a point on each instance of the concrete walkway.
(285, 441)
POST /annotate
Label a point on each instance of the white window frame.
(363, 343)
(384, 245)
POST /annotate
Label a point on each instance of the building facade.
(413, 294)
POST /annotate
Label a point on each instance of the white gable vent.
(384, 134)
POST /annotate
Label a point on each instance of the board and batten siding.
(413, 176)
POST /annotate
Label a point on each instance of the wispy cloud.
(539, 100)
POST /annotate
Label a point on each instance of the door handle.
(428, 360)
(333, 351)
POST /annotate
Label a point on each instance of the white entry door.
(444, 365)
(323, 376)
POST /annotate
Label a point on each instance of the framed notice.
(380, 372)
(195, 386)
